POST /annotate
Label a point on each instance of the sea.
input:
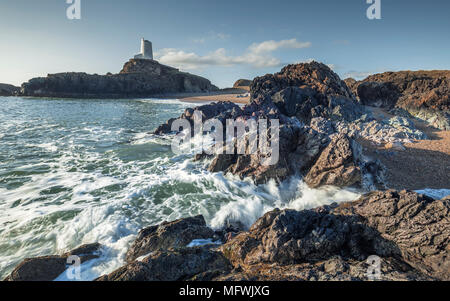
(79, 171)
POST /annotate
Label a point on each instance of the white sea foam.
(203, 242)
(292, 194)
(97, 183)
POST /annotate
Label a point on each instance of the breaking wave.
(78, 171)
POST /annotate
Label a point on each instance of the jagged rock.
(336, 165)
(352, 84)
(394, 130)
(436, 119)
(299, 146)
(322, 125)
(418, 225)
(297, 96)
(409, 233)
(242, 83)
(167, 235)
(8, 90)
(48, 268)
(173, 265)
(220, 110)
(139, 78)
(293, 101)
(307, 91)
(316, 76)
(408, 230)
(334, 269)
(382, 95)
(424, 94)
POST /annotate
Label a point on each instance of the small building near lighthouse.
(146, 50)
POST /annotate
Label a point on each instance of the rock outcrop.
(221, 111)
(424, 94)
(404, 228)
(8, 90)
(407, 232)
(295, 97)
(336, 166)
(138, 78)
(175, 234)
(317, 78)
(48, 268)
(242, 84)
(182, 264)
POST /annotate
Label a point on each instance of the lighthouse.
(146, 50)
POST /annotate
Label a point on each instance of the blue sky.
(223, 40)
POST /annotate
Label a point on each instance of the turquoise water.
(83, 171)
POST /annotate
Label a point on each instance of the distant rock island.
(141, 76)
(242, 84)
(8, 90)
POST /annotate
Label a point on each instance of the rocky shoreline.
(421, 94)
(325, 125)
(138, 78)
(409, 232)
(8, 90)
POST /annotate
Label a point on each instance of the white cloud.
(258, 55)
(358, 75)
(270, 46)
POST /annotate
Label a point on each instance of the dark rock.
(307, 91)
(295, 96)
(8, 90)
(352, 84)
(299, 146)
(183, 264)
(167, 235)
(242, 83)
(406, 230)
(375, 94)
(315, 76)
(48, 268)
(139, 78)
(336, 166)
(220, 110)
(418, 225)
(424, 94)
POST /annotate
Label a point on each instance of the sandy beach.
(423, 163)
(236, 98)
(239, 96)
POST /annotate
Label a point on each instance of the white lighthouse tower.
(146, 50)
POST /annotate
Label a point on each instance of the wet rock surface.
(403, 227)
(296, 97)
(407, 232)
(312, 105)
(167, 235)
(48, 268)
(181, 264)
